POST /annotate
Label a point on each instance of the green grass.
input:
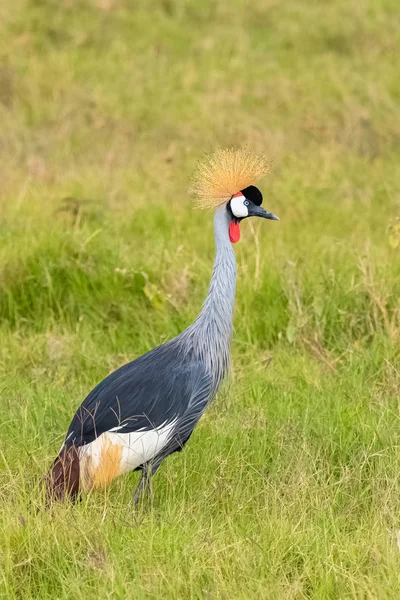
(290, 486)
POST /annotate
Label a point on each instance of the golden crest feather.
(224, 173)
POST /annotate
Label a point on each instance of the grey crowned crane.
(148, 408)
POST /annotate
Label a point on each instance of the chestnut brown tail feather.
(62, 481)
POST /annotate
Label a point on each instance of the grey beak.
(258, 211)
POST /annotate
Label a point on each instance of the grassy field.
(290, 486)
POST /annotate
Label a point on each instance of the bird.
(148, 408)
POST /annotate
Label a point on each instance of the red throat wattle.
(234, 231)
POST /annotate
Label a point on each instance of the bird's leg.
(145, 483)
(142, 485)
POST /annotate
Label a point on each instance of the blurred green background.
(289, 487)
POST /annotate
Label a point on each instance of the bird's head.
(244, 204)
(227, 177)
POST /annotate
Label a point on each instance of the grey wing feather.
(201, 394)
(161, 386)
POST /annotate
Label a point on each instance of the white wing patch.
(114, 453)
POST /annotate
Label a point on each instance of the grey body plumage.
(172, 383)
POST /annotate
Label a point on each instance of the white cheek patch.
(237, 206)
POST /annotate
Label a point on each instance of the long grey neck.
(210, 334)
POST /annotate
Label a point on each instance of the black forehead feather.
(253, 194)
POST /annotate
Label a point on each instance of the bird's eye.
(246, 202)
